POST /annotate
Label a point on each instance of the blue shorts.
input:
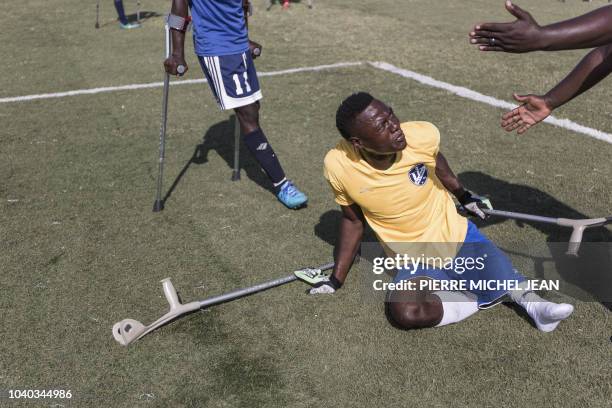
(232, 79)
(492, 269)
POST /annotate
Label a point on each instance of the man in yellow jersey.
(393, 176)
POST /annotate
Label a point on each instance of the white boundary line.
(426, 80)
(92, 91)
(475, 96)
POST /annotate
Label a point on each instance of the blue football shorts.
(232, 79)
(489, 276)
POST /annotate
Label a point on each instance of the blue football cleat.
(129, 26)
(291, 196)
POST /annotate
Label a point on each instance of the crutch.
(159, 204)
(98, 14)
(128, 330)
(236, 171)
(138, 11)
(577, 226)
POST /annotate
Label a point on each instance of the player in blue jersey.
(226, 55)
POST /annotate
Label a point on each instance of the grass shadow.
(144, 15)
(588, 273)
(220, 138)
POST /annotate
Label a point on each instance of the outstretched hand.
(533, 110)
(522, 35)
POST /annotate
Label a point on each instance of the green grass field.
(80, 248)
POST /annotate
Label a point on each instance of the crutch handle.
(170, 292)
(575, 240)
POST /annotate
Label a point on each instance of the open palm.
(533, 110)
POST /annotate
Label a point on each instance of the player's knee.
(248, 116)
(413, 315)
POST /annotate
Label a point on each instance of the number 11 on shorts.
(239, 90)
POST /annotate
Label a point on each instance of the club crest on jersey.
(418, 174)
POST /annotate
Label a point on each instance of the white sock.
(456, 306)
(546, 315)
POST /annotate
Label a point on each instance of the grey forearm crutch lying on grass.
(128, 330)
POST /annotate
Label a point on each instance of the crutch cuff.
(178, 23)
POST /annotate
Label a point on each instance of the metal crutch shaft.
(159, 204)
(254, 289)
(236, 170)
(98, 14)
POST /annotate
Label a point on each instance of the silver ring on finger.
(492, 42)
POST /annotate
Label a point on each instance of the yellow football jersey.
(406, 202)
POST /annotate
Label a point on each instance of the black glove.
(473, 204)
(329, 286)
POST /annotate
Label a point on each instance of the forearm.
(179, 8)
(447, 177)
(590, 30)
(594, 67)
(245, 10)
(347, 245)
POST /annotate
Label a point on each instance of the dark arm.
(179, 8)
(590, 30)
(447, 177)
(470, 203)
(587, 31)
(349, 238)
(253, 46)
(245, 10)
(594, 67)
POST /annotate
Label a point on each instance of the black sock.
(259, 147)
(120, 11)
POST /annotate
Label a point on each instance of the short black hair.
(349, 109)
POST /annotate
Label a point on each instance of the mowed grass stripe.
(133, 87)
(424, 79)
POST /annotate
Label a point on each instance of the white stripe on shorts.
(210, 65)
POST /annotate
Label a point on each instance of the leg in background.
(121, 12)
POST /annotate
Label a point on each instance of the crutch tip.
(235, 176)
(158, 206)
